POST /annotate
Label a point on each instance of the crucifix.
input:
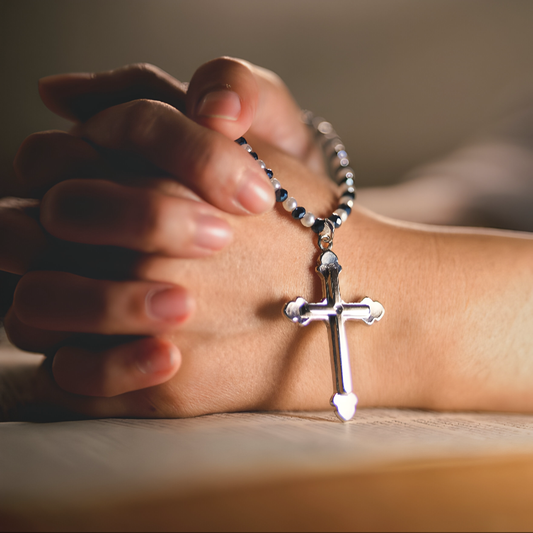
(334, 312)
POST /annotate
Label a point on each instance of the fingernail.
(168, 304)
(212, 232)
(220, 104)
(255, 195)
(160, 360)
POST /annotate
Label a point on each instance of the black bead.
(298, 213)
(336, 219)
(281, 195)
(350, 194)
(346, 207)
(269, 172)
(241, 141)
(319, 225)
(254, 155)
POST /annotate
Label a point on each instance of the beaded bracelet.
(339, 171)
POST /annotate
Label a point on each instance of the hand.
(46, 301)
(258, 101)
(52, 157)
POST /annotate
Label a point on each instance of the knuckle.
(223, 63)
(139, 128)
(138, 121)
(65, 203)
(144, 72)
(29, 154)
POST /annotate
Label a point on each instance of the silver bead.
(345, 172)
(275, 183)
(325, 127)
(290, 204)
(348, 200)
(343, 158)
(344, 188)
(342, 213)
(261, 163)
(308, 220)
(248, 148)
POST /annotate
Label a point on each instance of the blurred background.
(403, 81)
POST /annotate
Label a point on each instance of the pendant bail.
(325, 238)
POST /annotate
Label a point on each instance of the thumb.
(234, 97)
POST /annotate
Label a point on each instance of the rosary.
(331, 310)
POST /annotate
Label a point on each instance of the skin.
(455, 334)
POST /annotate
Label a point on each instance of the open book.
(386, 469)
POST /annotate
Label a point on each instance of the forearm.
(457, 333)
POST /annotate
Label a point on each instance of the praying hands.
(153, 291)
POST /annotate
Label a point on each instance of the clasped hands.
(138, 280)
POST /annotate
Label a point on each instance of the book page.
(72, 461)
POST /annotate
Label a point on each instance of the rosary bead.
(281, 195)
(349, 194)
(345, 172)
(248, 148)
(241, 141)
(348, 182)
(269, 173)
(298, 213)
(345, 207)
(319, 225)
(343, 158)
(346, 200)
(308, 220)
(342, 213)
(290, 204)
(346, 189)
(324, 127)
(336, 219)
(261, 163)
(275, 183)
(254, 155)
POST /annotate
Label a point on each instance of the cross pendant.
(334, 312)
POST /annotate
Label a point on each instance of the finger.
(96, 262)
(105, 213)
(211, 165)
(32, 339)
(232, 96)
(49, 157)
(104, 366)
(58, 301)
(80, 96)
(127, 367)
(51, 402)
(22, 239)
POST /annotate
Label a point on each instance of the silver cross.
(335, 312)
